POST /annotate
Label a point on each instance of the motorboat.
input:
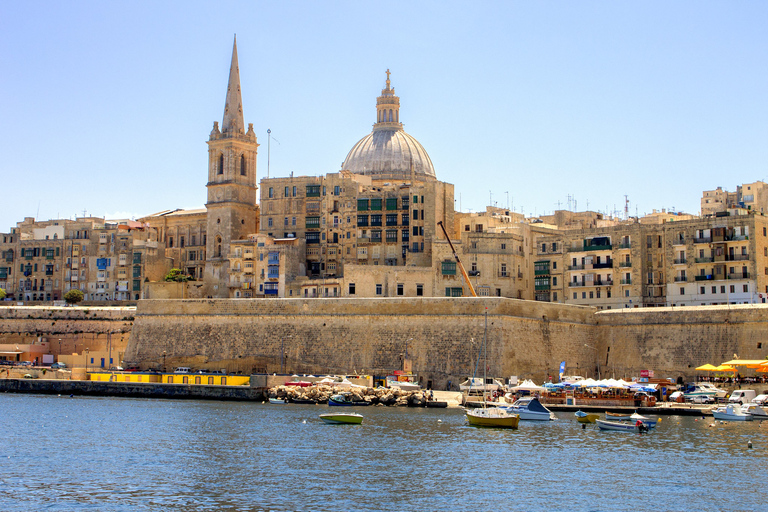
(276, 401)
(583, 417)
(648, 422)
(351, 418)
(345, 400)
(731, 412)
(529, 408)
(621, 426)
(756, 411)
(620, 416)
(492, 417)
(408, 382)
(703, 389)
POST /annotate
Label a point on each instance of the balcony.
(540, 287)
(708, 277)
(575, 267)
(737, 257)
(625, 264)
(248, 255)
(705, 240)
(626, 281)
(705, 260)
(503, 274)
(680, 261)
(626, 245)
(681, 279)
(576, 284)
(608, 264)
(272, 275)
(678, 242)
(738, 275)
(541, 272)
(605, 247)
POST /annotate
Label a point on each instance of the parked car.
(58, 366)
(25, 363)
(702, 399)
(6, 362)
(742, 396)
(760, 399)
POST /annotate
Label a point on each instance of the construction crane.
(456, 256)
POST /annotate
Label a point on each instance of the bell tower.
(232, 211)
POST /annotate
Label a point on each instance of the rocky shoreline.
(371, 396)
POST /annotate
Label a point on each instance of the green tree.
(178, 276)
(2, 294)
(73, 296)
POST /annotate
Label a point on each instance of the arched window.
(397, 116)
(221, 163)
(218, 247)
(390, 115)
(242, 165)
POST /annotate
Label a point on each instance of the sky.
(106, 106)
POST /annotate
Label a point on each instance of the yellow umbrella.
(746, 362)
(725, 368)
(707, 368)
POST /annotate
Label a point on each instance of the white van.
(742, 396)
(182, 369)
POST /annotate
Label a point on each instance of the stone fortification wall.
(67, 329)
(674, 341)
(442, 336)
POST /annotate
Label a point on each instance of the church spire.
(233, 109)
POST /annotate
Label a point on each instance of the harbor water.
(86, 453)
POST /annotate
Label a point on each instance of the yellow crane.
(456, 256)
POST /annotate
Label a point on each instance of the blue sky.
(106, 106)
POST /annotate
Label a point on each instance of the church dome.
(388, 152)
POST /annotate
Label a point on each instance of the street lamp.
(86, 361)
(596, 359)
(163, 361)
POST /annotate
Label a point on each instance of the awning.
(746, 362)
(10, 353)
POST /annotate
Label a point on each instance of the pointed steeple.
(233, 108)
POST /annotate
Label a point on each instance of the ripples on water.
(62, 453)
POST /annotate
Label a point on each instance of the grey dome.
(387, 154)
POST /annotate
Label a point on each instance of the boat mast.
(485, 351)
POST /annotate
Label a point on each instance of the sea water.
(86, 453)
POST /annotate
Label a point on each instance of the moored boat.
(731, 412)
(529, 408)
(351, 418)
(758, 412)
(492, 417)
(648, 422)
(618, 416)
(344, 400)
(583, 417)
(276, 401)
(621, 426)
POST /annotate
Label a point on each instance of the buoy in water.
(583, 426)
(749, 444)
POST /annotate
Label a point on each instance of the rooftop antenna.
(558, 204)
(626, 207)
(490, 198)
(507, 192)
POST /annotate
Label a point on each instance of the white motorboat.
(703, 389)
(756, 411)
(475, 385)
(529, 408)
(731, 412)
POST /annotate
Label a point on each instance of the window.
(682, 291)
(400, 289)
(269, 222)
(391, 219)
(391, 203)
(449, 268)
(379, 289)
(286, 191)
(221, 163)
(419, 290)
(453, 291)
(294, 191)
(313, 190)
(375, 220)
(391, 235)
(336, 190)
(626, 293)
(362, 205)
(242, 165)
(362, 220)
(702, 290)
(376, 204)
(733, 288)
(271, 192)
(554, 281)
(351, 288)
(746, 288)
(714, 289)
